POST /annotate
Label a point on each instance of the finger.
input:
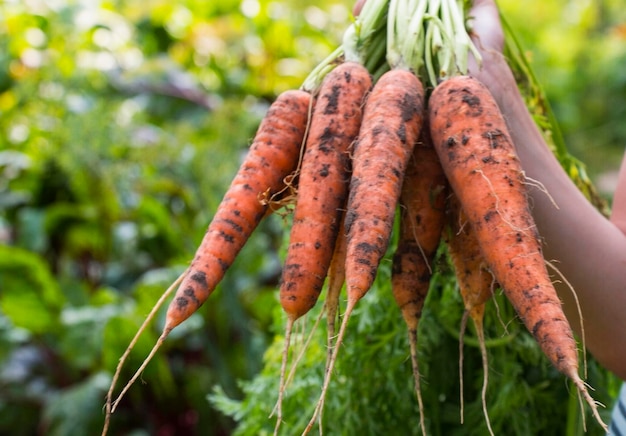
(485, 24)
(356, 10)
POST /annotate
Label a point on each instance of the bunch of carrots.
(389, 126)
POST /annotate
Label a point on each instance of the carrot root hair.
(278, 408)
(287, 377)
(412, 333)
(330, 367)
(111, 405)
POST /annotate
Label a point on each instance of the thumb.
(356, 10)
(484, 20)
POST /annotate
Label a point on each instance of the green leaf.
(81, 345)
(29, 294)
(77, 410)
(33, 234)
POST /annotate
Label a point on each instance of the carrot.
(422, 205)
(478, 157)
(273, 155)
(391, 123)
(336, 279)
(475, 285)
(323, 186)
(322, 192)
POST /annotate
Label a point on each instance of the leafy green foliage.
(62, 413)
(122, 124)
(121, 127)
(372, 387)
(30, 297)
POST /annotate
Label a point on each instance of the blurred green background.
(121, 125)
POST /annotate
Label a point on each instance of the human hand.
(486, 29)
(356, 9)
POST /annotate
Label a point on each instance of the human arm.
(588, 249)
(618, 215)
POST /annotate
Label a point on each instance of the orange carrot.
(322, 191)
(273, 156)
(479, 159)
(422, 205)
(475, 285)
(336, 279)
(322, 186)
(391, 124)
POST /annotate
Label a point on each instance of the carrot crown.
(449, 41)
(428, 37)
(363, 42)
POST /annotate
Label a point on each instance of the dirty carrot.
(322, 191)
(391, 124)
(422, 206)
(476, 286)
(478, 156)
(323, 186)
(336, 279)
(273, 156)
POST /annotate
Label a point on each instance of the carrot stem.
(357, 43)
(314, 80)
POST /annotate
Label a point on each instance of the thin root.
(461, 384)
(141, 368)
(537, 184)
(483, 352)
(330, 367)
(111, 406)
(278, 408)
(582, 390)
(287, 378)
(416, 376)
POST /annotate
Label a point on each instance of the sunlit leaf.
(29, 294)
(77, 410)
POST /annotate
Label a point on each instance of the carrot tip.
(593, 404)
